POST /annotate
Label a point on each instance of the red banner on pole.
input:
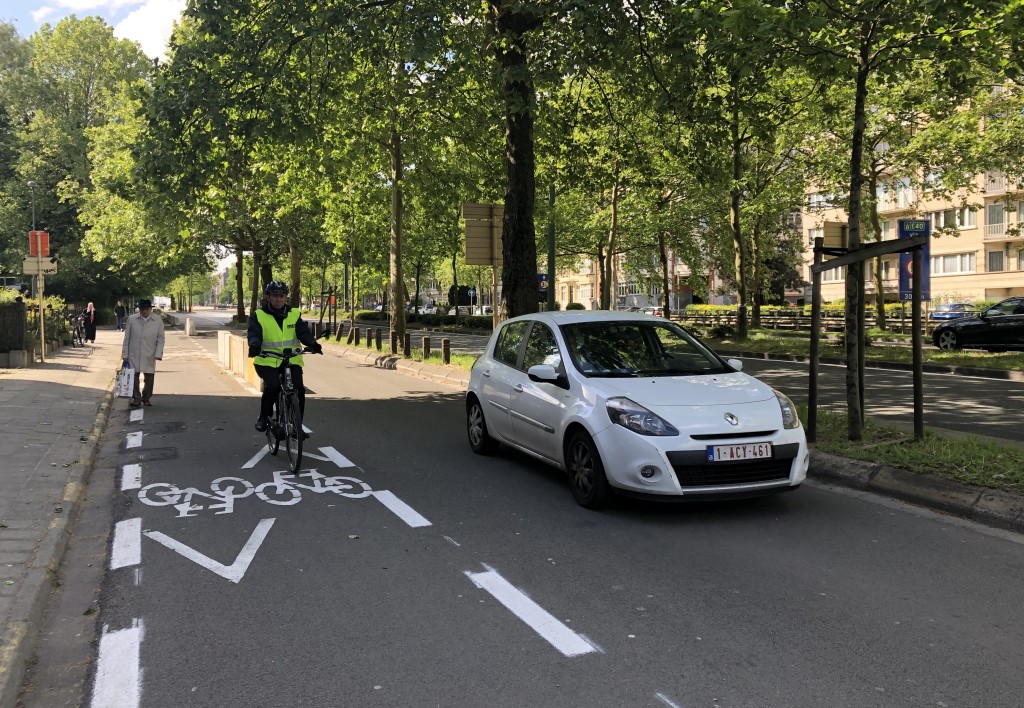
(38, 244)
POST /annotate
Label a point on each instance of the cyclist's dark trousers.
(272, 385)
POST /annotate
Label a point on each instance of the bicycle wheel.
(292, 422)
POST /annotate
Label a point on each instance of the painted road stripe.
(131, 477)
(134, 440)
(233, 572)
(336, 457)
(256, 458)
(400, 509)
(666, 700)
(127, 548)
(536, 617)
(136, 415)
(117, 669)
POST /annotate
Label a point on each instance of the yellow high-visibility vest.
(277, 338)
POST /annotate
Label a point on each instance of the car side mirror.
(735, 363)
(545, 373)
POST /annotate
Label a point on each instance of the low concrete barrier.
(233, 353)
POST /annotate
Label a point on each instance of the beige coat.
(143, 342)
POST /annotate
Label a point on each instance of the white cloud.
(150, 25)
(42, 13)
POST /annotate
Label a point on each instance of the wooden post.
(426, 348)
(394, 343)
(357, 331)
(377, 339)
(407, 345)
(446, 351)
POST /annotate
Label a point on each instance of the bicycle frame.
(287, 420)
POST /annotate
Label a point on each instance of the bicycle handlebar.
(289, 353)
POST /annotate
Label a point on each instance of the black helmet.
(276, 287)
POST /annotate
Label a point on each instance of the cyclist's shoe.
(261, 424)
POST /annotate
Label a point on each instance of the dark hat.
(144, 303)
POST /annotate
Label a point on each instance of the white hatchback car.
(634, 404)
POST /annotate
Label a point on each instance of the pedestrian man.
(143, 346)
(119, 314)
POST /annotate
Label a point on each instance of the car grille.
(693, 470)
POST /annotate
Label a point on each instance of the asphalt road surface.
(400, 569)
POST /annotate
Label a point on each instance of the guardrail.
(798, 322)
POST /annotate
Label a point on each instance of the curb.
(985, 506)
(31, 600)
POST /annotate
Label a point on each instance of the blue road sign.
(908, 228)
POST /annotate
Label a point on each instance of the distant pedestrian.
(89, 322)
(143, 347)
(119, 315)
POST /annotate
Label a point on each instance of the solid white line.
(452, 541)
(136, 415)
(336, 457)
(134, 440)
(233, 572)
(127, 547)
(666, 700)
(536, 617)
(256, 458)
(117, 682)
(400, 509)
(131, 477)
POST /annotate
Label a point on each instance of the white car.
(628, 403)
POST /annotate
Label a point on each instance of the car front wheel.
(586, 472)
(947, 340)
(480, 440)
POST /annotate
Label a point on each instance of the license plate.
(738, 453)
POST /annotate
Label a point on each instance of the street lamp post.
(40, 286)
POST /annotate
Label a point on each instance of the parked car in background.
(630, 404)
(998, 328)
(951, 310)
(466, 310)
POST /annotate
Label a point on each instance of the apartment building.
(976, 251)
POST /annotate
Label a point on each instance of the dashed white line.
(136, 415)
(568, 642)
(336, 457)
(127, 546)
(117, 682)
(131, 477)
(666, 700)
(256, 458)
(452, 541)
(400, 509)
(134, 440)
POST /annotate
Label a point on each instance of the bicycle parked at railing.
(76, 323)
(286, 423)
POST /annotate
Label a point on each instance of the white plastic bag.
(124, 383)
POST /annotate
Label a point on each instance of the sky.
(148, 22)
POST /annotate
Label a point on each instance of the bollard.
(394, 343)
(377, 338)
(446, 351)
(407, 345)
(351, 335)
(426, 348)
(356, 330)
(369, 338)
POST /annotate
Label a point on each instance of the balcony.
(995, 231)
(995, 182)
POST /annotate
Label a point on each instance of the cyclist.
(275, 327)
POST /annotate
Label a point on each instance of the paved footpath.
(51, 418)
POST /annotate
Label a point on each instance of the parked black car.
(997, 328)
(951, 311)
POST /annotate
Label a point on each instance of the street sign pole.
(42, 297)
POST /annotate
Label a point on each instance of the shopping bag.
(124, 382)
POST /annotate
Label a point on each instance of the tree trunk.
(854, 277)
(755, 274)
(397, 285)
(734, 214)
(663, 258)
(296, 272)
(513, 19)
(240, 283)
(608, 267)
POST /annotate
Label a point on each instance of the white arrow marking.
(256, 458)
(540, 620)
(127, 546)
(134, 440)
(233, 572)
(131, 477)
(117, 668)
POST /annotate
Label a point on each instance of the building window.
(818, 201)
(813, 234)
(585, 291)
(946, 219)
(565, 293)
(932, 180)
(966, 218)
(887, 232)
(995, 261)
(834, 275)
(953, 263)
(904, 193)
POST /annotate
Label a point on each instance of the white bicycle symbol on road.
(283, 490)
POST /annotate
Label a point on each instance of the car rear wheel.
(947, 340)
(480, 440)
(586, 472)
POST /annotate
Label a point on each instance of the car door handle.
(518, 388)
(487, 373)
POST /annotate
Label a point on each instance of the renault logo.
(731, 419)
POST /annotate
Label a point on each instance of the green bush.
(575, 306)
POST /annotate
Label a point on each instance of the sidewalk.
(52, 417)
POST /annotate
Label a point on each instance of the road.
(430, 576)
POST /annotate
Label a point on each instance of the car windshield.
(621, 348)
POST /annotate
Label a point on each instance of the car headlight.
(790, 419)
(633, 416)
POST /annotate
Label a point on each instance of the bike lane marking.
(133, 440)
(127, 547)
(117, 683)
(131, 477)
(400, 509)
(136, 415)
(233, 572)
(568, 642)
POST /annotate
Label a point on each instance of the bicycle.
(287, 419)
(77, 331)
